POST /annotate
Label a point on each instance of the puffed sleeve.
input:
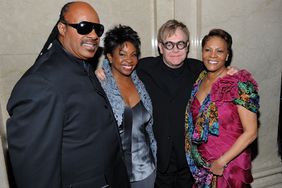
(248, 96)
(34, 133)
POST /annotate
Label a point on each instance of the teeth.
(212, 62)
(89, 45)
(127, 66)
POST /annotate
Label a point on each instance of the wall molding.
(190, 13)
(268, 177)
(3, 171)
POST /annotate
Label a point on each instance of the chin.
(88, 55)
(178, 64)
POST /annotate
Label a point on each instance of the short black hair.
(225, 36)
(117, 36)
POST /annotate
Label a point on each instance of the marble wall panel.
(26, 25)
(256, 27)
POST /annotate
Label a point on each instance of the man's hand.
(232, 70)
(99, 72)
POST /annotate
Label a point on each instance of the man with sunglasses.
(61, 131)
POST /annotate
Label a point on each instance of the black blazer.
(61, 131)
(168, 107)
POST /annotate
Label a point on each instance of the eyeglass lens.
(180, 45)
(85, 28)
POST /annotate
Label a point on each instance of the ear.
(110, 57)
(61, 28)
(160, 47)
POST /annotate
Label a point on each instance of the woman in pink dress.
(221, 119)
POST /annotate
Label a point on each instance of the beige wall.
(256, 27)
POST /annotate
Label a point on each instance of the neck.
(173, 66)
(121, 78)
(212, 76)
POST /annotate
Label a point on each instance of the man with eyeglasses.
(169, 78)
(61, 131)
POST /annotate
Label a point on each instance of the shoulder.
(242, 76)
(195, 65)
(33, 83)
(193, 61)
(148, 66)
(32, 89)
(49, 72)
(245, 76)
(194, 68)
(58, 67)
(149, 61)
(241, 88)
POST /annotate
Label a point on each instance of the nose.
(128, 59)
(213, 53)
(93, 34)
(175, 49)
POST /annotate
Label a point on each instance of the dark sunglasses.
(84, 28)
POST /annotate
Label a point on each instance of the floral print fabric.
(204, 120)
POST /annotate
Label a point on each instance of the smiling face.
(174, 58)
(123, 59)
(215, 54)
(81, 46)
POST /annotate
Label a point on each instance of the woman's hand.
(217, 167)
(249, 123)
(99, 72)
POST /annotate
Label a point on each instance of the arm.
(249, 123)
(34, 133)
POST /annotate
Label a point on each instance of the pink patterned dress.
(214, 126)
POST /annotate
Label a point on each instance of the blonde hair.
(169, 28)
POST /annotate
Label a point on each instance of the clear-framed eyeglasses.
(180, 45)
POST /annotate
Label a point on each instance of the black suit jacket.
(61, 131)
(168, 107)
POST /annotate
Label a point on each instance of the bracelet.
(226, 164)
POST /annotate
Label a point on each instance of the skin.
(214, 55)
(81, 46)
(123, 61)
(174, 58)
